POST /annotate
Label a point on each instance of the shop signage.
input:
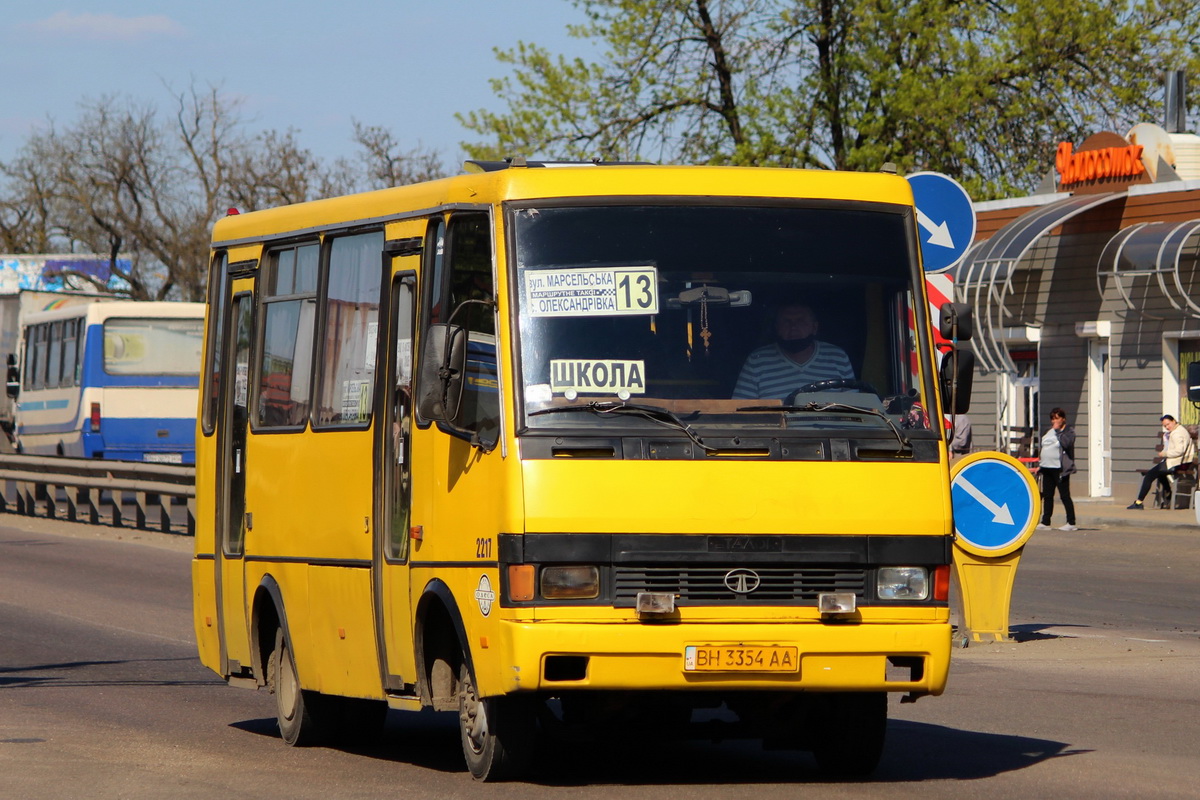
(1104, 162)
(1107, 162)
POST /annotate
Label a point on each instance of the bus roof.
(551, 182)
(109, 309)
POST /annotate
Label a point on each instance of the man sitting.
(794, 359)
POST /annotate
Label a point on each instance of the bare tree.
(125, 179)
(26, 220)
(383, 162)
(118, 181)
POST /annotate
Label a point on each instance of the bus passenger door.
(231, 480)
(393, 487)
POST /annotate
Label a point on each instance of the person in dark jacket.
(1056, 465)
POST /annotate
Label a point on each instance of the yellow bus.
(578, 448)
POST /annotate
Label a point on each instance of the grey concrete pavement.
(1106, 512)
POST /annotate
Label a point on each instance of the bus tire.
(498, 733)
(294, 708)
(851, 733)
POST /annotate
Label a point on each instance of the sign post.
(996, 507)
(946, 219)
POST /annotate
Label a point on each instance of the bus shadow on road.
(112, 672)
(916, 751)
(1037, 631)
(427, 739)
(923, 751)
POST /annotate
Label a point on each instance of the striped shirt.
(769, 373)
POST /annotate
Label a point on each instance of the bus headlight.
(570, 583)
(902, 583)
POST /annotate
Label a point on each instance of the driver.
(794, 359)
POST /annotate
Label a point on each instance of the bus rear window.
(153, 346)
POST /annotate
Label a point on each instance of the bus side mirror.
(957, 322)
(12, 380)
(1193, 382)
(443, 366)
(956, 374)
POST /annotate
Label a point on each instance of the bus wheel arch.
(440, 639)
(266, 616)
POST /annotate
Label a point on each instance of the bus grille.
(693, 585)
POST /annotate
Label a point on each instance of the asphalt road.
(101, 695)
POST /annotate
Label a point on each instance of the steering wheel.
(826, 386)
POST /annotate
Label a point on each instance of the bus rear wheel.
(498, 733)
(850, 734)
(295, 708)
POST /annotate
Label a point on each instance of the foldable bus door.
(393, 460)
(233, 422)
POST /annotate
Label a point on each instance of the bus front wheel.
(498, 733)
(851, 732)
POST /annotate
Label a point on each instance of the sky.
(311, 65)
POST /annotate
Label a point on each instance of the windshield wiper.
(840, 407)
(655, 414)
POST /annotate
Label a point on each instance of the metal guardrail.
(99, 492)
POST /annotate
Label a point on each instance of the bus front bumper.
(892, 657)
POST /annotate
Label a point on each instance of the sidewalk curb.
(1094, 513)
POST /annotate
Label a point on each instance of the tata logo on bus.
(742, 581)
(1105, 161)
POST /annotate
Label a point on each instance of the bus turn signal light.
(941, 582)
(95, 417)
(520, 581)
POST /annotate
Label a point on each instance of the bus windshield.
(135, 346)
(723, 315)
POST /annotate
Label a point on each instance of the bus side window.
(37, 373)
(347, 366)
(27, 360)
(462, 271)
(290, 307)
(217, 290)
(30, 359)
(70, 353)
(53, 354)
(468, 266)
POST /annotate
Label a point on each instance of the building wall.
(1061, 283)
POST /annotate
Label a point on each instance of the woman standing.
(1056, 464)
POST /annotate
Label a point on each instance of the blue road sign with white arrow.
(994, 504)
(946, 219)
